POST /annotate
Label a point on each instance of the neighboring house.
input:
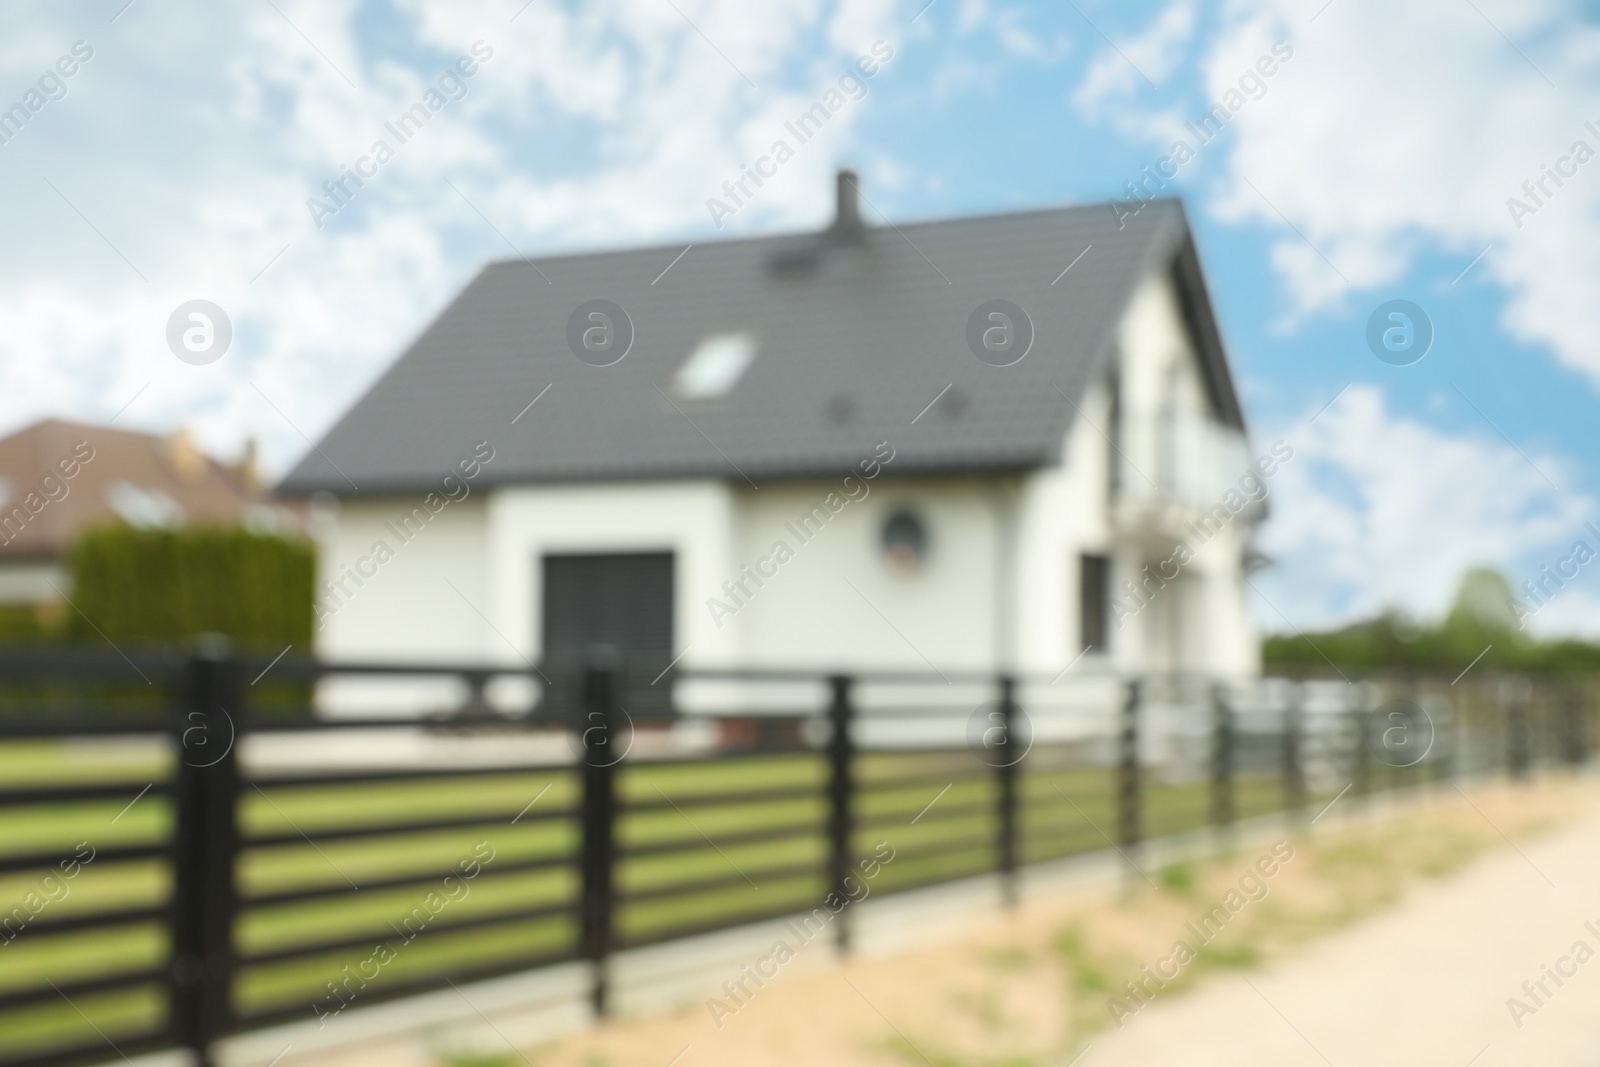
(59, 478)
(828, 450)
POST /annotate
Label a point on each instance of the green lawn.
(937, 833)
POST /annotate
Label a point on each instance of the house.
(1005, 442)
(59, 478)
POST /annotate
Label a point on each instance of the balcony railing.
(1187, 463)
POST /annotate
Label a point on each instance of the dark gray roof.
(856, 338)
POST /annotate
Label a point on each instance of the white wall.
(33, 581)
(1062, 515)
(692, 519)
(837, 603)
(1199, 620)
(404, 609)
(384, 595)
(1196, 621)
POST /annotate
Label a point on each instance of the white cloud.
(1118, 71)
(1398, 129)
(194, 137)
(1377, 510)
(1572, 612)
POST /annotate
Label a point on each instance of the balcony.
(1172, 470)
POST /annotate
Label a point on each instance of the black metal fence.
(188, 852)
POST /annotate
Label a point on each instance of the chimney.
(247, 472)
(184, 457)
(847, 222)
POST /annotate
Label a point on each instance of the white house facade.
(1086, 505)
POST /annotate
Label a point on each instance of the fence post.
(477, 705)
(1575, 734)
(1294, 733)
(1438, 766)
(1128, 768)
(1006, 770)
(598, 743)
(1361, 773)
(204, 902)
(1222, 796)
(841, 794)
(1534, 722)
(1580, 722)
(1517, 755)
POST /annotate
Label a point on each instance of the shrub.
(165, 585)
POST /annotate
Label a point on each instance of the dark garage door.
(620, 600)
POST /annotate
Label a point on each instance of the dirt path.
(1424, 984)
(1394, 941)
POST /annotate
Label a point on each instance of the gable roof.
(857, 332)
(115, 474)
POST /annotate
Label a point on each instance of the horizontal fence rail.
(192, 846)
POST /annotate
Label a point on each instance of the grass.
(1178, 877)
(937, 833)
(464, 1060)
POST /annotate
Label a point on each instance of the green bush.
(166, 585)
(23, 623)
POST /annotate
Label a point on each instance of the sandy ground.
(1344, 966)
(1425, 983)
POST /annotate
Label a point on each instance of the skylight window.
(715, 366)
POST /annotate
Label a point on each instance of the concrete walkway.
(1422, 985)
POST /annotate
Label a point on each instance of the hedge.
(163, 585)
(24, 623)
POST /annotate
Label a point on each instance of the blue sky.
(1374, 164)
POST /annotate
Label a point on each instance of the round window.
(905, 543)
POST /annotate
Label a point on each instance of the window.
(147, 509)
(715, 366)
(905, 543)
(1094, 601)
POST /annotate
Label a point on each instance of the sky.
(1395, 152)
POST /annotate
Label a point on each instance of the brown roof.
(115, 474)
